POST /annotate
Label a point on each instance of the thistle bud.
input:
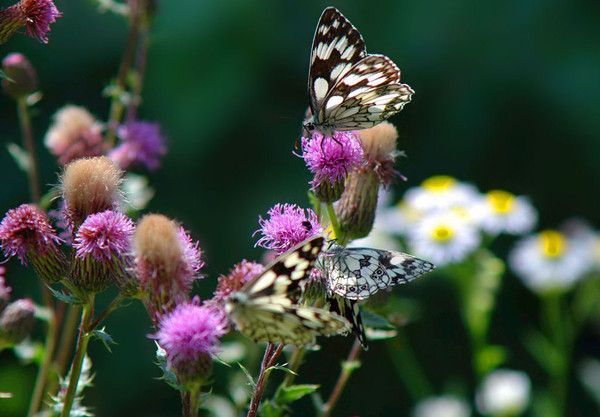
(167, 263)
(35, 15)
(90, 186)
(16, 322)
(21, 76)
(5, 290)
(102, 244)
(75, 133)
(26, 232)
(356, 208)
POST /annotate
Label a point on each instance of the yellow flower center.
(438, 183)
(502, 202)
(442, 233)
(553, 243)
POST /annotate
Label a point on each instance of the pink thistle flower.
(35, 15)
(142, 145)
(240, 274)
(190, 336)
(286, 226)
(191, 259)
(331, 158)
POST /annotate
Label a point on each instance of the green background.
(507, 96)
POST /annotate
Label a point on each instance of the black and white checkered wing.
(358, 273)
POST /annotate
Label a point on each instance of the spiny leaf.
(104, 337)
(65, 298)
(248, 376)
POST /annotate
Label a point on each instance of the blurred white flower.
(504, 393)
(550, 260)
(442, 406)
(443, 238)
(398, 219)
(440, 192)
(585, 238)
(502, 212)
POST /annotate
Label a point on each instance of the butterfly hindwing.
(350, 310)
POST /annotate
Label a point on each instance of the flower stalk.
(42, 375)
(271, 355)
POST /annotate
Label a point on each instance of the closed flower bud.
(21, 76)
(26, 233)
(356, 208)
(16, 322)
(75, 133)
(35, 15)
(167, 262)
(102, 245)
(90, 186)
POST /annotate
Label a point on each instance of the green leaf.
(490, 357)
(65, 298)
(289, 394)
(104, 337)
(248, 375)
(20, 156)
(270, 409)
(546, 354)
(168, 375)
(375, 321)
(281, 368)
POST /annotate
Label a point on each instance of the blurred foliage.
(506, 97)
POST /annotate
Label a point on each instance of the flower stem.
(335, 225)
(189, 402)
(81, 350)
(29, 144)
(114, 304)
(271, 355)
(348, 368)
(295, 362)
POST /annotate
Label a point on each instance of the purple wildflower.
(236, 278)
(35, 15)
(191, 259)
(286, 226)
(330, 159)
(142, 145)
(190, 336)
(104, 236)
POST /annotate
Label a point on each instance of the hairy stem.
(271, 355)
(81, 350)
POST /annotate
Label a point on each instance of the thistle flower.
(5, 290)
(16, 322)
(101, 245)
(356, 208)
(504, 392)
(75, 133)
(236, 278)
(167, 263)
(190, 336)
(25, 232)
(35, 15)
(22, 77)
(330, 159)
(90, 186)
(142, 145)
(502, 212)
(286, 226)
(442, 406)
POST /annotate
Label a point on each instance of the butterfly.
(266, 309)
(348, 88)
(354, 274)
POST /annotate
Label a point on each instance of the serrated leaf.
(104, 337)
(248, 375)
(375, 321)
(168, 375)
(20, 156)
(65, 298)
(289, 394)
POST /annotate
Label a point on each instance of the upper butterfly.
(349, 89)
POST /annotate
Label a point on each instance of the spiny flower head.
(142, 145)
(286, 226)
(240, 274)
(331, 158)
(190, 336)
(104, 235)
(21, 76)
(75, 133)
(379, 144)
(35, 15)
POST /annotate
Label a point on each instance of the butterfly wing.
(337, 46)
(350, 310)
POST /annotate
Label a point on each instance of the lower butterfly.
(266, 309)
(354, 274)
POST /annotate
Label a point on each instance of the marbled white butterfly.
(266, 309)
(348, 88)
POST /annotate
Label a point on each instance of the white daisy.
(502, 212)
(550, 261)
(442, 406)
(440, 192)
(504, 392)
(443, 238)
(398, 219)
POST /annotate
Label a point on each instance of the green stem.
(189, 402)
(335, 225)
(81, 350)
(44, 370)
(29, 144)
(346, 372)
(114, 304)
(66, 339)
(407, 367)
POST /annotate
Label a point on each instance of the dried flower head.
(167, 263)
(16, 322)
(102, 244)
(35, 15)
(25, 232)
(379, 144)
(142, 145)
(286, 226)
(190, 336)
(21, 76)
(236, 278)
(90, 186)
(75, 133)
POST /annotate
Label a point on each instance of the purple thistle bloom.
(286, 226)
(26, 229)
(332, 158)
(191, 260)
(190, 336)
(39, 15)
(237, 277)
(104, 235)
(141, 144)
